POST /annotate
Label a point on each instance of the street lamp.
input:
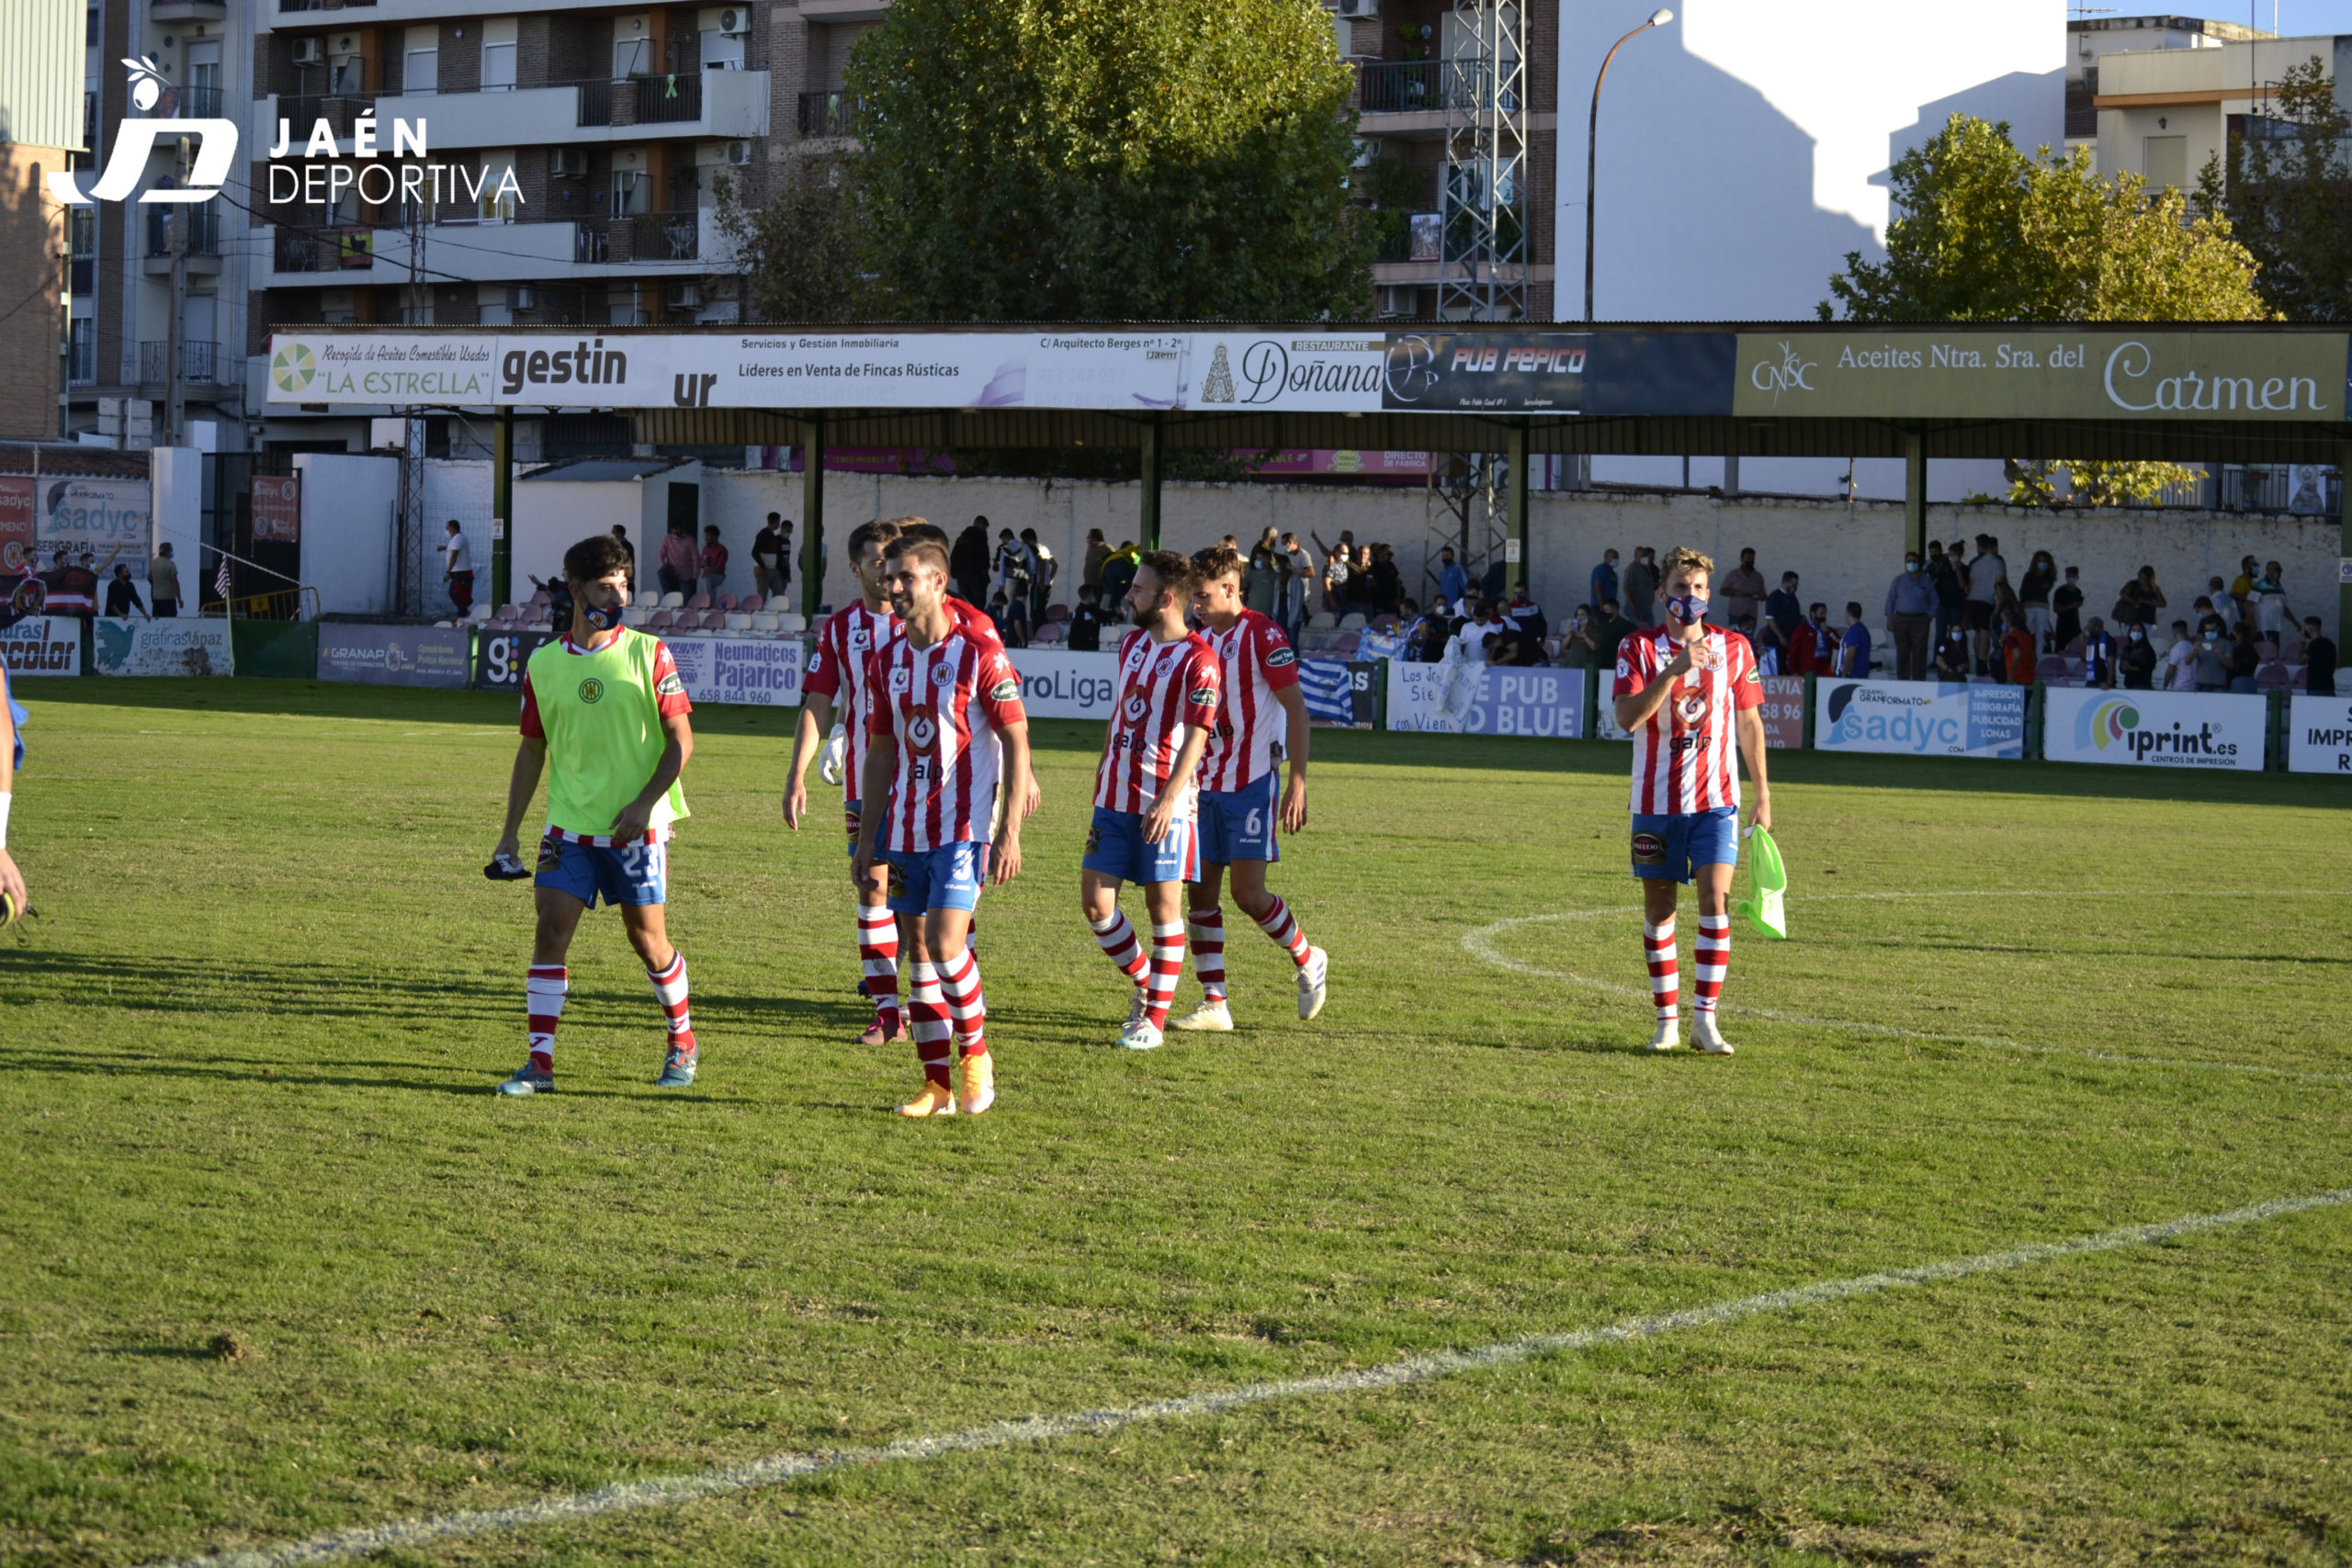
(1658, 18)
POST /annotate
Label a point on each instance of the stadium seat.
(1551, 644)
(1345, 646)
(2292, 650)
(636, 616)
(1057, 613)
(2051, 669)
(738, 621)
(540, 597)
(2267, 651)
(479, 614)
(2075, 648)
(2273, 677)
(1051, 632)
(727, 602)
(2300, 680)
(1388, 624)
(750, 603)
(650, 599)
(764, 621)
(1320, 622)
(792, 625)
(443, 625)
(673, 601)
(662, 621)
(1351, 622)
(699, 602)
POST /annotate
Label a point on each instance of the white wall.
(350, 507)
(552, 516)
(1744, 147)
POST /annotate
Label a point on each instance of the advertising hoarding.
(439, 657)
(756, 672)
(2155, 729)
(500, 658)
(2319, 734)
(43, 645)
(18, 532)
(278, 509)
(1455, 698)
(185, 647)
(1782, 712)
(1918, 718)
(1057, 683)
(112, 519)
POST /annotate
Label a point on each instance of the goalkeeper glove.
(830, 760)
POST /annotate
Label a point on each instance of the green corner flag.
(1768, 880)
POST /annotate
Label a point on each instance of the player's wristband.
(5, 799)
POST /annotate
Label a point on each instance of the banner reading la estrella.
(2045, 373)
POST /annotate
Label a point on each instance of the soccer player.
(605, 716)
(846, 645)
(1145, 790)
(1258, 673)
(1684, 690)
(946, 725)
(12, 757)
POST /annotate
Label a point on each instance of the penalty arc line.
(1479, 944)
(632, 1496)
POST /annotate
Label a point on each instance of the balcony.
(201, 228)
(640, 239)
(713, 104)
(323, 250)
(827, 114)
(201, 365)
(682, 243)
(188, 11)
(667, 100)
(1400, 86)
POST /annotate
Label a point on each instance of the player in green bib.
(605, 716)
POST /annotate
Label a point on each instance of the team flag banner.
(1339, 692)
(396, 656)
(2319, 735)
(2155, 729)
(1919, 719)
(43, 645)
(1458, 698)
(188, 646)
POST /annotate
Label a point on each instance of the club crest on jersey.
(592, 690)
(921, 731)
(944, 675)
(1138, 707)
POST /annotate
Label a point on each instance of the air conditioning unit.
(1360, 10)
(1367, 149)
(568, 163)
(735, 21)
(1393, 299)
(308, 50)
(739, 154)
(521, 296)
(682, 297)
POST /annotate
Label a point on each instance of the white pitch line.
(630, 1497)
(1480, 945)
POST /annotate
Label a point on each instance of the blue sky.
(2296, 17)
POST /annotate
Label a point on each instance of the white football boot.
(1140, 1035)
(1314, 983)
(1705, 1037)
(1668, 1036)
(1212, 1014)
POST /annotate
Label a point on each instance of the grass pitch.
(251, 1042)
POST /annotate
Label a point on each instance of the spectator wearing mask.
(163, 583)
(1011, 564)
(2221, 602)
(1580, 646)
(1945, 570)
(2066, 610)
(2243, 659)
(2033, 595)
(1526, 615)
(2319, 659)
(1742, 590)
(2213, 656)
(1301, 579)
(1911, 618)
(1090, 572)
(122, 596)
(1261, 584)
(1470, 642)
(2100, 655)
(2271, 614)
(767, 555)
(714, 562)
(1613, 631)
(677, 563)
(1815, 645)
(1984, 571)
(2138, 661)
(1086, 622)
(2180, 660)
(1640, 601)
(1854, 660)
(1604, 580)
(1362, 595)
(1338, 566)
(1783, 608)
(1387, 583)
(2137, 604)
(1453, 582)
(2018, 650)
(1951, 656)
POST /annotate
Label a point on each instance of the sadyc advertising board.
(1919, 719)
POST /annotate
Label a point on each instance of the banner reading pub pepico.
(2045, 373)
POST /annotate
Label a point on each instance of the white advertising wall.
(1919, 719)
(2155, 729)
(43, 645)
(1455, 698)
(2319, 734)
(350, 506)
(110, 519)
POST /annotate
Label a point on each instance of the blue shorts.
(628, 874)
(1238, 824)
(1675, 845)
(948, 877)
(1115, 847)
(850, 819)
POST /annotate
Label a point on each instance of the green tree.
(798, 248)
(1985, 232)
(2289, 196)
(1108, 158)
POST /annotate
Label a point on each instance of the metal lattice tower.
(1484, 274)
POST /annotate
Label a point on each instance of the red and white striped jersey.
(1256, 660)
(943, 706)
(1685, 758)
(846, 644)
(1167, 689)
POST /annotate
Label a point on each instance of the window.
(632, 192)
(632, 48)
(2165, 161)
(421, 65)
(498, 55)
(499, 188)
(82, 343)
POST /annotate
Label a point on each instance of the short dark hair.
(1609, 603)
(916, 528)
(1216, 561)
(1854, 609)
(595, 557)
(776, 516)
(881, 531)
(907, 547)
(1173, 571)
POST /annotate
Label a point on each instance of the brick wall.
(32, 229)
(460, 63)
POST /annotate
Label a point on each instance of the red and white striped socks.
(670, 990)
(1665, 975)
(928, 1012)
(1710, 956)
(1167, 964)
(1116, 938)
(1207, 932)
(1276, 922)
(959, 985)
(543, 1000)
(877, 951)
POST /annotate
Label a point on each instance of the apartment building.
(557, 165)
(2164, 113)
(2091, 38)
(40, 128)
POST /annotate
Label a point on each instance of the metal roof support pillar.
(2344, 543)
(812, 515)
(1915, 492)
(1148, 530)
(502, 502)
(1519, 557)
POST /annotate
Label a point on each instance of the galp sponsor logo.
(135, 136)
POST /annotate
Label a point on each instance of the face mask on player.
(1689, 609)
(599, 618)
